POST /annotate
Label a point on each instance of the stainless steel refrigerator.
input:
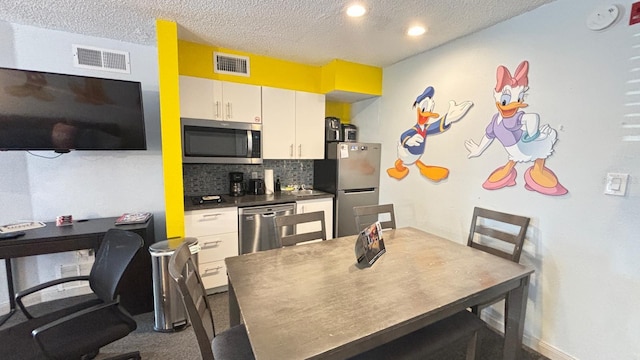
(350, 171)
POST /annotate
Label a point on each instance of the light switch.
(616, 184)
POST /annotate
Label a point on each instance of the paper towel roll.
(268, 181)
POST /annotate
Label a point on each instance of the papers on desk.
(370, 244)
(133, 218)
(21, 226)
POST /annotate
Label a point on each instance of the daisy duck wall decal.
(521, 135)
(412, 142)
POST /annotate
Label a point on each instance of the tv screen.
(47, 111)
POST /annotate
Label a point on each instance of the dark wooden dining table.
(313, 301)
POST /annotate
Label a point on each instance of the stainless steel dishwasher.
(257, 226)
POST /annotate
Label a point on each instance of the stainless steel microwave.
(221, 142)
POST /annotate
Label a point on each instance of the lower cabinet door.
(217, 247)
(213, 274)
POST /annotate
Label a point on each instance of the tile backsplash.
(202, 179)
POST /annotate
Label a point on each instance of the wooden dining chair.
(500, 234)
(231, 344)
(366, 215)
(304, 228)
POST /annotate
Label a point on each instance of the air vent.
(230, 64)
(101, 59)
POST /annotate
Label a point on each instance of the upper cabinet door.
(197, 98)
(278, 125)
(310, 125)
(219, 100)
(241, 102)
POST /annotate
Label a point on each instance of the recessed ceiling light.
(356, 10)
(416, 31)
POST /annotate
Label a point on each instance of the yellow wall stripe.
(338, 109)
(351, 77)
(197, 60)
(167, 35)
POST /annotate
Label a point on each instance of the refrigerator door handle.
(350, 191)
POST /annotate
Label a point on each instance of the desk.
(136, 286)
(313, 302)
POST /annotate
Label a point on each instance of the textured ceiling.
(304, 31)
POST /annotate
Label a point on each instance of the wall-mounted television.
(48, 111)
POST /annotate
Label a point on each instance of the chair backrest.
(364, 216)
(116, 251)
(194, 296)
(299, 235)
(481, 229)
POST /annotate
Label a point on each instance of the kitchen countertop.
(255, 200)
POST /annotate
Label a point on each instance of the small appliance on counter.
(349, 133)
(236, 184)
(256, 187)
(206, 199)
(333, 131)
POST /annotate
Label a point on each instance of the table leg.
(234, 309)
(514, 326)
(11, 291)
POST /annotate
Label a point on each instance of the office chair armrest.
(38, 333)
(43, 286)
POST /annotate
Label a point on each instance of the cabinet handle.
(211, 215)
(291, 150)
(299, 150)
(217, 109)
(228, 110)
(211, 243)
(216, 269)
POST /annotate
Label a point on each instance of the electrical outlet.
(616, 184)
(254, 174)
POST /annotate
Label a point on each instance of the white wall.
(584, 245)
(85, 184)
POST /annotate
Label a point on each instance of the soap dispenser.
(277, 187)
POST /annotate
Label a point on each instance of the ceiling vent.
(89, 57)
(230, 64)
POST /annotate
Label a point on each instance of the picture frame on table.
(370, 244)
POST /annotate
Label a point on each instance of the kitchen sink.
(306, 192)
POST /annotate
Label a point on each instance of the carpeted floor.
(183, 345)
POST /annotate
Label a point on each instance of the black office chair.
(233, 343)
(80, 330)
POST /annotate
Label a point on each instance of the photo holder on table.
(369, 244)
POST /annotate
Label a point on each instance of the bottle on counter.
(277, 187)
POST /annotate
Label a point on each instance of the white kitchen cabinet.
(219, 100)
(217, 234)
(293, 124)
(324, 204)
(310, 125)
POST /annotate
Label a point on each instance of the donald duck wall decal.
(412, 142)
(520, 134)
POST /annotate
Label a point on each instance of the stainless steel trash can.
(169, 312)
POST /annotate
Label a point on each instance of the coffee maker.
(236, 184)
(332, 132)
